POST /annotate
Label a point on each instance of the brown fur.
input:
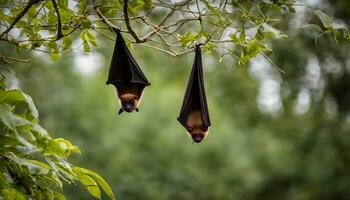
(195, 125)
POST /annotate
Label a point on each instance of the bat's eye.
(189, 129)
(135, 97)
(205, 129)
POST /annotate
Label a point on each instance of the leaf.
(271, 32)
(91, 37)
(67, 42)
(242, 36)
(90, 184)
(41, 164)
(4, 182)
(55, 148)
(213, 9)
(12, 194)
(31, 105)
(8, 141)
(86, 47)
(11, 120)
(54, 56)
(103, 184)
(34, 167)
(11, 96)
(208, 47)
(325, 19)
(85, 39)
(67, 146)
(59, 196)
(186, 39)
(313, 27)
(81, 6)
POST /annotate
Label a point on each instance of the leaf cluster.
(34, 165)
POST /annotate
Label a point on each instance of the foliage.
(34, 165)
(242, 29)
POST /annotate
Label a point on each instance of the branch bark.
(128, 26)
(59, 22)
(19, 17)
(106, 21)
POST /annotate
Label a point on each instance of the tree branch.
(128, 26)
(106, 21)
(19, 17)
(59, 22)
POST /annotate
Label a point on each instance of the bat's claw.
(120, 111)
(137, 109)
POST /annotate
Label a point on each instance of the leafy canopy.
(32, 164)
(241, 29)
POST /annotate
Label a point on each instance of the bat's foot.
(120, 111)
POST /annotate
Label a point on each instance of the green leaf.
(59, 196)
(11, 96)
(213, 9)
(242, 36)
(186, 39)
(31, 105)
(91, 37)
(12, 194)
(87, 48)
(55, 148)
(103, 184)
(208, 47)
(34, 167)
(54, 56)
(67, 42)
(325, 19)
(11, 120)
(90, 184)
(8, 141)
(313, 27)
(81, 6)
(4, 182)
(67, 146)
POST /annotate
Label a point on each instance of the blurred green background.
(273, 135)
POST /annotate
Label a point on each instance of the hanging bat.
(126, 75)
(194, 114)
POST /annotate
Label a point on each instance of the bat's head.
(129, 102)
(198, 134)
(196, 128)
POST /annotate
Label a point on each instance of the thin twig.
(128, 26)
(272, 63)
(105, 20)
(14, 59)
(19, 17)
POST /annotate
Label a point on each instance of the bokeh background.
(273, 135)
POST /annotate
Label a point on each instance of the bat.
(126, 75)
(194, 114)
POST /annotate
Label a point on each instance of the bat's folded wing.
(195, 97)
(124, 68)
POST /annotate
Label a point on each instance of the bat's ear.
(137, 109)
(120, 111)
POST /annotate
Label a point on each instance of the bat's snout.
(197, 138)
(128, 107)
